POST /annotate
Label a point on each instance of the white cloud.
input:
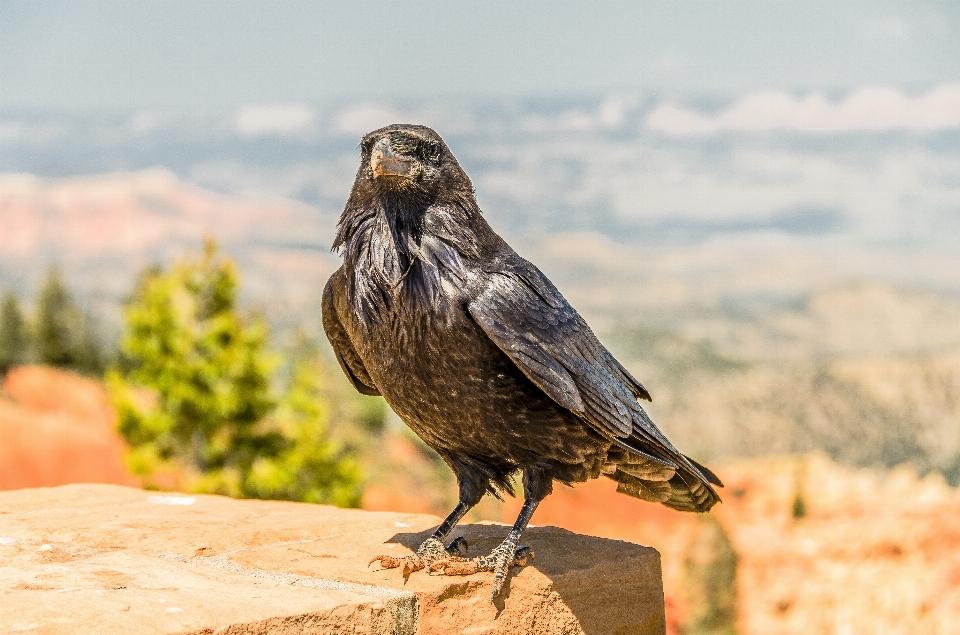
(895, 192)
(362, 118)
(145, 122)
(30, 133)
(608, 115)
(282, 120)
(890, 29)
(871, 109)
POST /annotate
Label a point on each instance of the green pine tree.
(88, 353)
(63, 335)
(14, 340)
(311, 467)
(196, 398)
(55, 322)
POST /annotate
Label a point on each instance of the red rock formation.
(58, 428)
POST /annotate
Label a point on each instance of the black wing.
(525, 315)
(350, 362)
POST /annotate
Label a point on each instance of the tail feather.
(683, 490)
(647, 470)
(707, 474)
(653, 491)
(690, 494)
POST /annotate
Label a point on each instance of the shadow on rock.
(607, 586)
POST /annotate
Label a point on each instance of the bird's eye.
(432, 152)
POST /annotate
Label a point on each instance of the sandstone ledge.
(107, 559)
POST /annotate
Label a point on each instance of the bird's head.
(411, 196)
(411, 162)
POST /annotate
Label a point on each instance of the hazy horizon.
(748, 150)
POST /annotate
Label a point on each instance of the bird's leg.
(459, 544)
(536, 486)
(432, 549)
(508, 553)
(472, 485)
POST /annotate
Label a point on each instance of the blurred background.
(756, 206)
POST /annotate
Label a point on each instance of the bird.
(477, 352)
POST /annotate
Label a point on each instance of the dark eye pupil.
(433, 151)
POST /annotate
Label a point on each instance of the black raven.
(476, 350)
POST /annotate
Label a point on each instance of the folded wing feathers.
(610, 403)
(610, 399)
(560, 353)
(690, 494)
(600, 408)
(548, 371)
(706, 473)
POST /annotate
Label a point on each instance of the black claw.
(522, 552)
(458, 547)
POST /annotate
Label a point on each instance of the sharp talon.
(411, 565)
(498, 582)
(459, 546)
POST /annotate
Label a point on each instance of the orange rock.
(105, 559)
(876, 552)
(56, 428)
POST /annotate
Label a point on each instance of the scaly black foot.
(506, 555)
(431, 551)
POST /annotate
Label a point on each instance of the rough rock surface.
(107, 559)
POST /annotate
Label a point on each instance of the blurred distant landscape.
(653, 206)
(779, 287)
(790, 296)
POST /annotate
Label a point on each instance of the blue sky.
(789, 127)
(97, 56)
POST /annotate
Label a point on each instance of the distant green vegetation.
(711, 581)
(799, 507)
(203, 400)
(209, 401)
(59, 334)
(672, 355)
(198, 396)
(14, 336)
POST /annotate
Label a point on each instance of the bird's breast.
(444, 377)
